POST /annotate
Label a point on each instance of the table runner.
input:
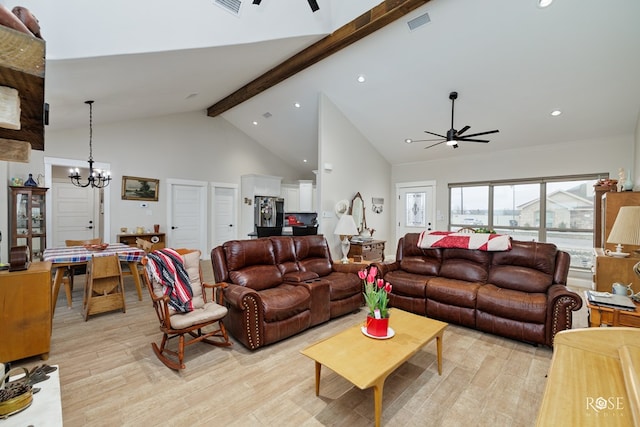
(67, 254)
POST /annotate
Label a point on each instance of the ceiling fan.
(453, 136)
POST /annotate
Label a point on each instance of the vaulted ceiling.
(511, 62)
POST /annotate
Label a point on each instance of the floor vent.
(419, 21)
(232, 6)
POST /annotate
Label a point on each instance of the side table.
(599, 316)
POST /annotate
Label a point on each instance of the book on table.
(607, 299)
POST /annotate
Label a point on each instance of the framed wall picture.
(136, 188)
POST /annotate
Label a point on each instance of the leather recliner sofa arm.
(247, 317)
(384, 268)
(560, 303)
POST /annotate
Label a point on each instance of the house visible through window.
(558, 210)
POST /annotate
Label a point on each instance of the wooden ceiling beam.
(381, 15)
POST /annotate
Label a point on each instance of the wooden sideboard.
(608, 270)
(26, 314)
(158, 239)
(372, 250)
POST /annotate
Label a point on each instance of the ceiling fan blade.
(436, 134)
(433, 145)
(425, 140)
(473, 140)
(463, 130)
(482, 133)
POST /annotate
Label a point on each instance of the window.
(558, 210)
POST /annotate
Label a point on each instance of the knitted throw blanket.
(478, 241)
(165, 267)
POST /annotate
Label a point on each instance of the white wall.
(579, 157)
(189, 146)
(357, 167)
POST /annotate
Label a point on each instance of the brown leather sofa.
(279, 286)
(519, 294)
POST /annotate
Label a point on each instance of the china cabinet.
(27, 219)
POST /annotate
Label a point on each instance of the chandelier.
(97, 178)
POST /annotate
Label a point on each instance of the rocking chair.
(174, 324)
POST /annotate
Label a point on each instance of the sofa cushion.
(527, 267)
(312, 253)
(343, 285)
(407, 284)
(465, 264)
(285, 254)
(453, 292)
(252, 263)
(510, 304)
(284, 301)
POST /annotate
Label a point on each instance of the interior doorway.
(187, 214)
(100, 202)
(224, 213)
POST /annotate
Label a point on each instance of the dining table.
(63, 257)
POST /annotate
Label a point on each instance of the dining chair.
(104, 290)
(74, 270)
(203, 323)
(146, 246)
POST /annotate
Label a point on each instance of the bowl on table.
(96, 247)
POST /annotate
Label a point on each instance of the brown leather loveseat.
(280, 286)
(520, 293)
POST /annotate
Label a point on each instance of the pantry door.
(186, 213)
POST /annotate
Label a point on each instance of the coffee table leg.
(377, 400)
(318, 366)
(439, 349)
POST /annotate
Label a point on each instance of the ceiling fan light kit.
(453, 136)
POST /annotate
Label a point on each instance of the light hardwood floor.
(109, 376)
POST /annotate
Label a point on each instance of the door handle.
(173, 228)
(230, 225)
(90, 227)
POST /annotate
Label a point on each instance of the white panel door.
(74, 213)
(415, 209)
(225, 219)
(188, 215)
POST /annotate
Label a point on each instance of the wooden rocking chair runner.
(178, 325)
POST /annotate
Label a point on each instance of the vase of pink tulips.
(376, 296)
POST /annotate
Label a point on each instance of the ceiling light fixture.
(97, 178)
(408, 141)
(255, 123)
(556, 113)
(297, 105)
(544, 3)
(362, 78)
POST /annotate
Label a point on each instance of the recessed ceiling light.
(544, 3)
(297, 105)
(304, 160)
(361, 78)
(555, 113)
(255, 123)
(408, 141)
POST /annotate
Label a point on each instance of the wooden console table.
(26, 314)
(372, 250)
(158, 239)
(599, 315)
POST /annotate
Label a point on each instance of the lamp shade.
(626, 227)
(346, 226)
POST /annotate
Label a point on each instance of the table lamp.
(346, 228)
(626, 228)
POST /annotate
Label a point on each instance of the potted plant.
(376, 296)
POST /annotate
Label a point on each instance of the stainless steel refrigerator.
(269, 211)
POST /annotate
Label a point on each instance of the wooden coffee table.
(367, 362)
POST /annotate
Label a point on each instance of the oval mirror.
(357, 211)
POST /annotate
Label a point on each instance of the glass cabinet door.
(28, 219)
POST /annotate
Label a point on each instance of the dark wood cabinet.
(27, 216)
(372, 250)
